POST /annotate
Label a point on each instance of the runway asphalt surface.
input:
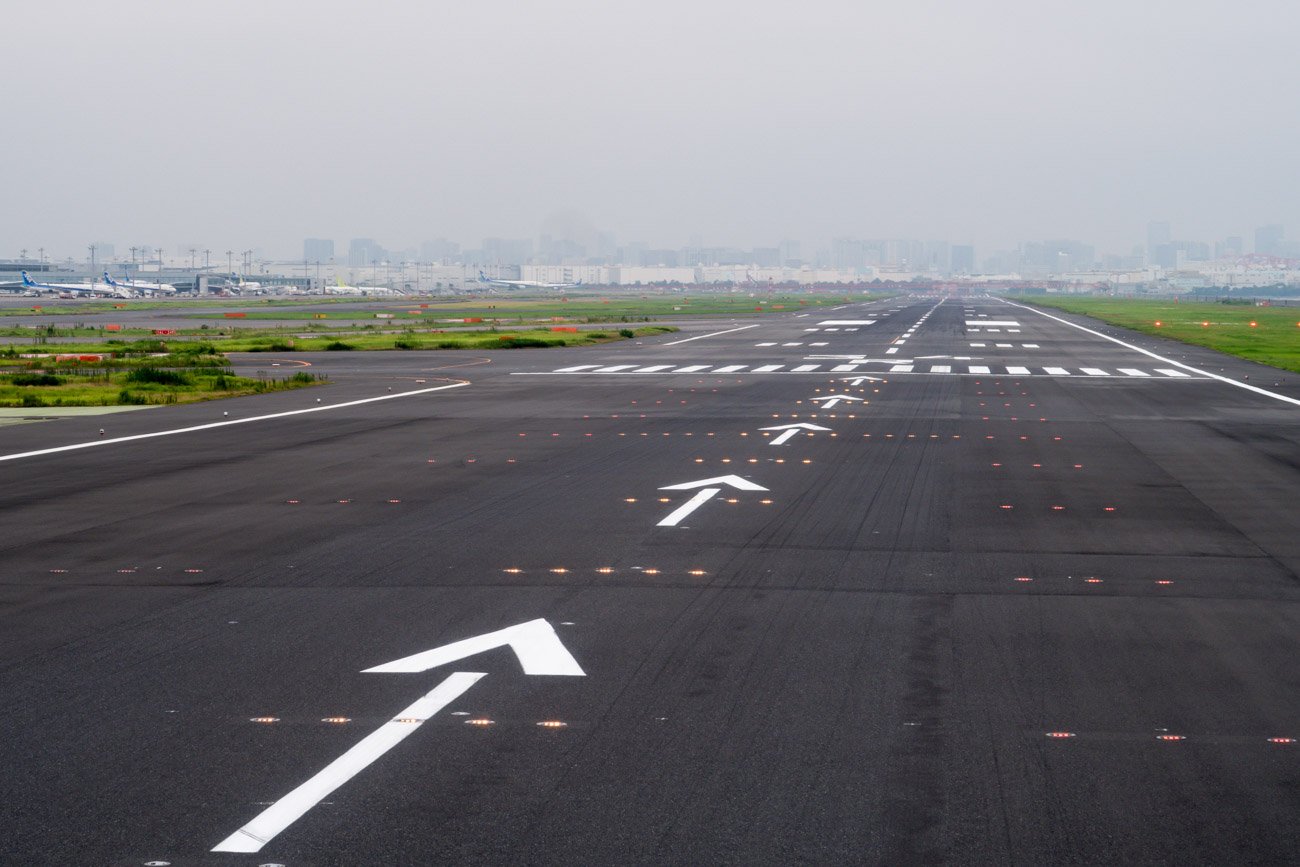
(1025, 595)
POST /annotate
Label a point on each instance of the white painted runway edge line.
(228, 422)
(289, 809)
(702, 336)
(1150, 354)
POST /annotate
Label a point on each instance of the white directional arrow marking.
(539, 651)
(858, 380)
(734, 481)
(791, 430)
(832, 399)
(535, 644)
(701, 497)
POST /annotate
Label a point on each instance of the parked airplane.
(97, 289)
(524, 284)
(138, 285)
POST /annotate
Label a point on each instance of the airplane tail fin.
(109, 280)
(27, 279)
(483, 278)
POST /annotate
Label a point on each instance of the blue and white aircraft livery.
(524, 284)
(97, 289)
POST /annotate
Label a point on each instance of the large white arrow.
(539, 651)
(791, 430)
(832, 399)
(701, 497)
(535, 644)
(858, 380)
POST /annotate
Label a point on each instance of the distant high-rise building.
(317, 250)
(1229, 248)
(1268, 240)
(439, 250)
(364, 251)
(962, 259)
(848, 253)
(790, 255)
(767, 257)
(103, 251)
(509, 251)
(1157, 234)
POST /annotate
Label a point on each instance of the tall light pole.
(92, 261)
(207, 259)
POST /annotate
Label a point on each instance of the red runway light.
(1060, 734)
(1171, 737)
(1281, 740)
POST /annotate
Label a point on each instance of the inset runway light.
(1024, 579)
(1109, 508)
(699, 460)
(650, 571)
(766, 502)
(58, 571)
(558, 570)
(807, 460)
(193, 571)
(629, 499)
(696, 572)
(552, 724)
(513, 570)
(1037, 466)
(1171, 737)
(343, 502)
(1164, 581)
(394, 501)
(1281, 740)
(1092, 580)
(480, 721)
(665, 499)
(1060, 735)
(733, 501)
(265, 720)
(336, 720)
(1058, 508)
(605, 570)
(293, 502)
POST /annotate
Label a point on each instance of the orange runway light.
(605, 570)
(1060, 734)
(481, 721)
(552, 724)
(1171, 737)
(265, 720)
(336, 720)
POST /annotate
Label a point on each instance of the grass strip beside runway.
(1266, 335)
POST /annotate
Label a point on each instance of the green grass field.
(87, 385)
(281, 341)
(588, 309)
(1267, 335)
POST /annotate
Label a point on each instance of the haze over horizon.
(743, 124)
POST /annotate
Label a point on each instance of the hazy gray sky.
(234, 124)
